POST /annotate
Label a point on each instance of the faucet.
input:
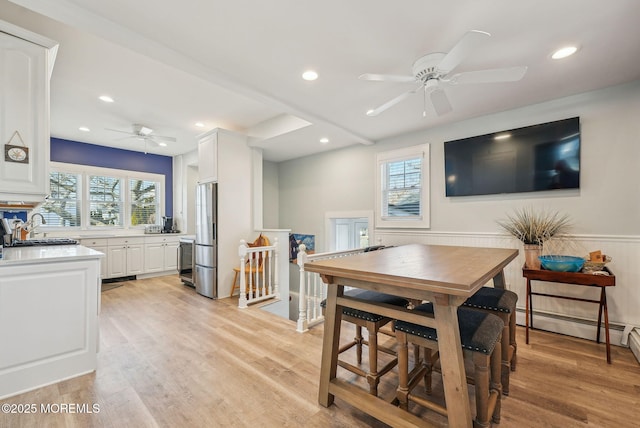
(32, 226)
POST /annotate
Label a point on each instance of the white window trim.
(125, 176)
(423, 222)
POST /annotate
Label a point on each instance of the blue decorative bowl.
(562, 263)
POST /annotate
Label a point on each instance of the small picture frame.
(18, 154)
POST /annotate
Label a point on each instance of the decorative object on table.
(595, 262)
(559, 263)
(533, 228)
(16, 153)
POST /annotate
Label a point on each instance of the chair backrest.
(261, 241)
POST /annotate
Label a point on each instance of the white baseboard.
(573, 327)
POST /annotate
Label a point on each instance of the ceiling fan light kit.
(432, 73)
(144, 133)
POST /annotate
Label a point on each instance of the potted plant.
(533, 228)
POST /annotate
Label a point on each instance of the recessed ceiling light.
(370, 112)
(309, 75)
(564, 52)
(162, 144)
(106, 98)
(324, 140)
(199, 124)
(84, 129)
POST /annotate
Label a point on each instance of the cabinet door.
(117, 261)
(24, 107)
(135, 259)
(208, 157)
(154, 257)
(171, 256)
(104, 267)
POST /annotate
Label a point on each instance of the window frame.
(85, 171)
(410, 222)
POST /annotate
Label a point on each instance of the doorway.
(348, 230)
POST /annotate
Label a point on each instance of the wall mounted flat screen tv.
(533, 158)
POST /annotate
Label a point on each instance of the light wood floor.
(172, 358)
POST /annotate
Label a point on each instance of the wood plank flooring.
(172, 358)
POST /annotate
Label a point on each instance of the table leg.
(528, 312)
(606, 323)
(499, 281)
(330, 343)
(451, 361)
(600, 314)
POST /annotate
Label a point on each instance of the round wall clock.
(16, 153)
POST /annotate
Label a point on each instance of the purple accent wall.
(108, 157)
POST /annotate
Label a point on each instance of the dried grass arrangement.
(534, 227)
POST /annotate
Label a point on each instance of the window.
(91, 197)
(63, 205)
(144, 201)
(105, 201)
(402, 188)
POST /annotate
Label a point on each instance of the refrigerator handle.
(214, 231)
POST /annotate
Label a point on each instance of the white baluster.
(276, 276)
(242, 252)
(302, 324)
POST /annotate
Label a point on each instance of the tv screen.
(529, 159)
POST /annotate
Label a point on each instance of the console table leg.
(528, 311)
(606, 324)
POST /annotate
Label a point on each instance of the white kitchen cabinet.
(208, 157)
(99, 244)
(125, 256)
(161, 253)
(27, 62)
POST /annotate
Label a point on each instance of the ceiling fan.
(144, 133)
(433, 72)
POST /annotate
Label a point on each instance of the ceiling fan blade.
(510, 74)
(118, 130)
(440, 101)
(386, 77)
(376, 111)
(465, 46)
(163, 138)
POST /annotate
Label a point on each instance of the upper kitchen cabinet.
(26, 64)
(208, 157)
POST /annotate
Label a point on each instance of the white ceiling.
(237, 64)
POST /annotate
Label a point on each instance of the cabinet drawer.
(161, 239)
(94, 242)
(126, 241)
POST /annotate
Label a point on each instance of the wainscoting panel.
(559, 315)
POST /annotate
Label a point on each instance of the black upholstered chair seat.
(373, 297)
(493, 299)
(478, 330)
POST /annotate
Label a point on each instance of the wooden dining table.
(444, 275)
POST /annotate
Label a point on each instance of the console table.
(575, 278)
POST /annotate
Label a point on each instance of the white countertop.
(46, 254)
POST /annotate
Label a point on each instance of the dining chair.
(373, 323)
(480, 335)
(502, 303)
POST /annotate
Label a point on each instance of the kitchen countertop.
(47, 254)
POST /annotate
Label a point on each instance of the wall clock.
(17, 154)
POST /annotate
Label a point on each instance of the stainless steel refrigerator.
(206, 275)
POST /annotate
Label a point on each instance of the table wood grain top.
(437, 268)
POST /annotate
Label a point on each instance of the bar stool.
(372, 322)
(502, 303)
(480, 335)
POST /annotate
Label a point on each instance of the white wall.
(270, 196)
(607, 204)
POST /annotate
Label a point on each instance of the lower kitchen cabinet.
(136, 255)
(161, 254)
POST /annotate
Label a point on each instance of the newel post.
(276, 275)
(242, 252)
(302, 324)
